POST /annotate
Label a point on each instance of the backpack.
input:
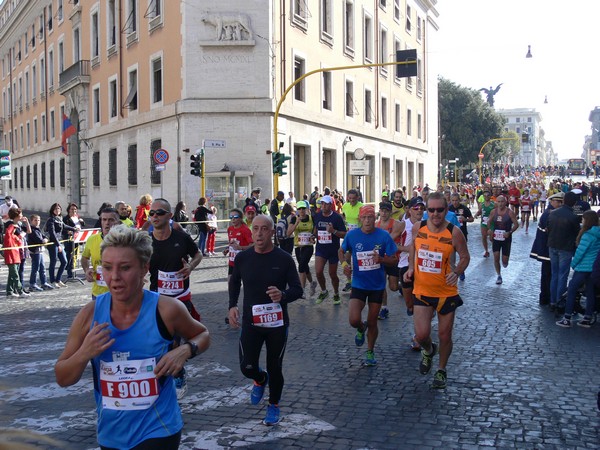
(281, 229)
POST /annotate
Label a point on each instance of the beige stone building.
(135, 76)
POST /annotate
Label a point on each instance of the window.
(27, 89)
(52, 125)
(419, 29)
(51, 69)
(349, 28)
(21, 176)
(112, 26)
(368, 107)
(95, 35)
(368, 38)
(34, 82)
(419, 126)
(382, 3)
(33, 34)
(44, 128)
(96, 100)
(155, 176)
(300, 13)
(43, 174)
(409, 122)
(61, 57)
(112, 167)
(349, 98)
(397, 10)
(397, 118)
(131, 23)
(154, 13)
(132, 98)
(299, 71)
(157, 94)
(59, 11)
(518, 130)
(62, 172)
(35, 176)
(35, 130)
(96, 169)
(408, 22)
(42, 76)
(112, 98)
(15, 173)
(518, 120)
(327, 90)
(132, 164)
(383, 48)
(42, 28)
(28, 126)
(529, 120)
(384, 112)
(76, 45)
(52, 174)
(20, 93)
(26, 42)
(326, 21)
(21, 132)
(50, 18)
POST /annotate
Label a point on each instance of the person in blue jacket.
(588, 246)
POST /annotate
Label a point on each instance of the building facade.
(526, 122)
(136, 76)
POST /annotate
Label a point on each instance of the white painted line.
(27, 368)
(254, 432)
(45, 391)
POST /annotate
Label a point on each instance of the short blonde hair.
(125, 237)
(146, 199)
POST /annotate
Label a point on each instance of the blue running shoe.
(273, 415)
(384, 313)
(359, 339)
(370, 360)
(258, 390)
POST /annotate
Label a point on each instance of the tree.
(466, 123)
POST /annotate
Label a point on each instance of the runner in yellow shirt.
(350, 212)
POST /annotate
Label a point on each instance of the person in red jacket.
(12, 255)
(514, 195)
(141, 213)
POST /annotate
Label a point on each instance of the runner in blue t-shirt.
(370, 248)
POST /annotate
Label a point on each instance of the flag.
(68, 130)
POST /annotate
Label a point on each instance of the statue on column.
(490, 93)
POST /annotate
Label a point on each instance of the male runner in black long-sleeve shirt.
(270, 282)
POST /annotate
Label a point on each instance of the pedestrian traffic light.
(4, 164)
(279, 160)
(196, 165)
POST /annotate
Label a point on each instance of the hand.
(186, 270)
(172, 362)
(97, 340)
(274, 294)
(451, 278)
(348, 270)
(60, 249)
(377, 257)
(330, 228)
(408, 275)
(234, 317)
(89, 275)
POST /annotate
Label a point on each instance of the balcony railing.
(78, 73)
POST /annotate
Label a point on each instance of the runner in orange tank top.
(434, 241)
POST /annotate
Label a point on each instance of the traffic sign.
(160, 167)
(359, 167)
(214, 143)
(161, 156)
(481, 155)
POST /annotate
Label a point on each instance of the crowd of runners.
(410, 245)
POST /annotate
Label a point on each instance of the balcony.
(75, 75)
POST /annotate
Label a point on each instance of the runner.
(240, 238)
(270, 282)
(526, 203)
(485, 208)
(109, 217)
(514, 194)
(350, 211)
(435, 284)
(175, 255)
(394, 228)
(464, 216)
(304, 245)
(329, 229)
(502, 224)
(535, 193)
(398, 204)
(370, 248)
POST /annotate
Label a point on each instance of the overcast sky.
(483, 43)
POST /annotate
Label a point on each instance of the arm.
(179, 322)
(235, 284)
(460, 245)
(82, 345)
(411, 255)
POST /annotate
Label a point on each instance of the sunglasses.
(418, 208)
(234, 217)
(437, 210)
(158, 212)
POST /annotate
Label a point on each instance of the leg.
(484, 238)
(564, 267)
(574, 285)
(372, 330)
(35, 267)
(69, 256)
(63, 263)
(445, 325)
(590, 296)
(276, 341)
(422, 321)
(355, 313)
(251, 342)
(319, 268)
(554, 264)
(52, 266)
(335, 281)
(545, 283)
(497, 262)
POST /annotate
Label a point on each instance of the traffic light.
(196, 164)
(525, 138)
(406, 70)
(4, 164)
(593, 163)
(279, 160)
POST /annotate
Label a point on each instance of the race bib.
(304, 238)
(365, 261)
(232, 251)
(324, 237)
(128, 385)
(352, 226)
(269, 315)
(169, 283)
(99, 278)
(499, 235)
(484, 220)
(429, 261)
(525, 208)
(512, 198)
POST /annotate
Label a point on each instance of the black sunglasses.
(234, 217)
(158, 212)
(437, 210)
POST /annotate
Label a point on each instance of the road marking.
(254, 432)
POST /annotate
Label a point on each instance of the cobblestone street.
(515, 379)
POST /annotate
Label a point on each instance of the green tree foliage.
(467, 122)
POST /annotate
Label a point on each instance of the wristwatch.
(193, 348)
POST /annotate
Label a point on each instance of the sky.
(482, 43)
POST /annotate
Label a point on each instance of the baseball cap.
(301, 204)
(416, 201)
(385, 205)
(326, 199)
(576, 191)
(558, 196)
(250, 208)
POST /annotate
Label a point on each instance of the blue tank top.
(142, 340)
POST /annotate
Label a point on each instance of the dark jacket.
(55, 227)
(201, 215)
(35, 238)
(539, 249)
(563, 228)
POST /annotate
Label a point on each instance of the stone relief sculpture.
(229, 26)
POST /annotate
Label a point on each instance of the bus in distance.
(576, 166)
